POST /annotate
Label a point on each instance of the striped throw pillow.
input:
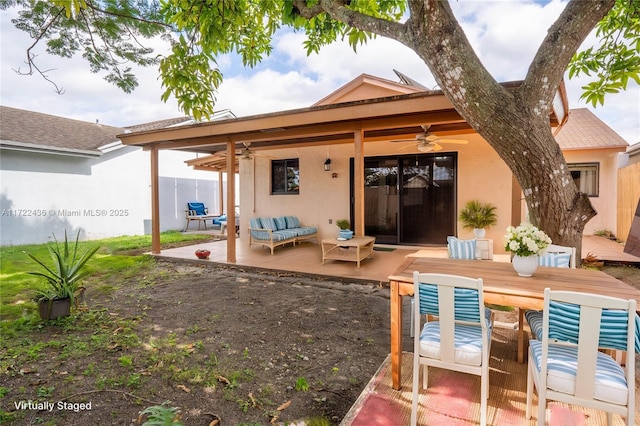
(461, 249)
(555, 260)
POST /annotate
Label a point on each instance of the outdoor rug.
(453, 398)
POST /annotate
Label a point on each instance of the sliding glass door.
(410, 199)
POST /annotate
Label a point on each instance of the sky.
(505, 35)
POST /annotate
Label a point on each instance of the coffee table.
(355, 249)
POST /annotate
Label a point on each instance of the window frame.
(286, 163)
(587, 166)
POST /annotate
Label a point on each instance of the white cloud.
(505, 35)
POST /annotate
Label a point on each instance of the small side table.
(484, 249)
(355, 249)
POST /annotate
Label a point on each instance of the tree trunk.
(515, 123)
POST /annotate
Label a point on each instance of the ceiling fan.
(427, 141)
(247, 154)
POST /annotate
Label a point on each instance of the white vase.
(479, 232)
(525, 266)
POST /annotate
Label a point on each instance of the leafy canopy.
(617, 59)
(109, 33)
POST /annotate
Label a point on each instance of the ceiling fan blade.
(403, 140)
(456, 141)
(436, 147)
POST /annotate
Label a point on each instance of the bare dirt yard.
(233, 345)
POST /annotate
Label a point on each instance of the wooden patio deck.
(453, 397)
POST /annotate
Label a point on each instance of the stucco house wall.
(323, 198)
(480, 171)
(606, 201)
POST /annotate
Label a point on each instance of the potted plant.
(63, 279)
(202, 253)
(477, 215)
(526, 242)
(345, 229)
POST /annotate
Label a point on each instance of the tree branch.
(556, 50)
(337, 10)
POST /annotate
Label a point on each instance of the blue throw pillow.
(555, 260)
(461, 249)
(281, 222)
(268, 223)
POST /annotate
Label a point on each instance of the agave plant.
(68, 270)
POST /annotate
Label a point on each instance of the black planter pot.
(54, 308)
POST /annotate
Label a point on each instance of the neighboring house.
(57, 174)
(358, 153)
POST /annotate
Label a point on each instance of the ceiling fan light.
(425, 147)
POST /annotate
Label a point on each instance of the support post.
(358, 182)
(231, 202)
(155, 202)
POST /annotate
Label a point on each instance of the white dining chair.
(558, 257)
(555, 256)
(566, 365)
(458, 339)
(457, 249)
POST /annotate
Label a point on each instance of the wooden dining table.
(501, 286)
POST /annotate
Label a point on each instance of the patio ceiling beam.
(392, 126)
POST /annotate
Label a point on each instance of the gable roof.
(34, 131)
(37, 132)
(584, 130)
(367, 86)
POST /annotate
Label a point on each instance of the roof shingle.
(583, 130)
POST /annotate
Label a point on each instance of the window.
(585, 175)
(285, 176)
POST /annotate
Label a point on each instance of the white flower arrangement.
(526, 240)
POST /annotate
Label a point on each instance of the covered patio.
(356, 124)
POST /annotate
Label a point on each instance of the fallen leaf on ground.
(184, 388)
(223, 380)
(284, 406)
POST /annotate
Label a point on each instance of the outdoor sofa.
(277, 231)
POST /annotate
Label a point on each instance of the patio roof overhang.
(356, 122)
(379, 119)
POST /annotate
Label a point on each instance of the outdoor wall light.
(327, 165)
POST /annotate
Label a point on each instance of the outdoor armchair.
(198, 212)
(566, 365)
(459, 339)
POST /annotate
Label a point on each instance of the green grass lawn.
(18, 288)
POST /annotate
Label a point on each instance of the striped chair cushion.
(306, 230)
(461, 249)
(468, 343)
(613, 326)
(468, 338)
(197, 208)
(466, 301)
(555, 260)
(292, 222)
(269, 223)
(281, 222)
(610, 386)
(285, 234)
